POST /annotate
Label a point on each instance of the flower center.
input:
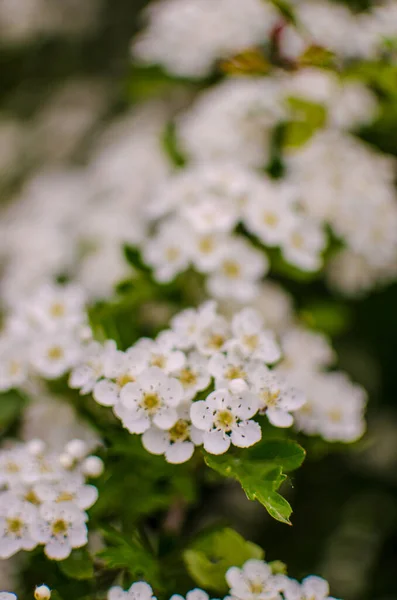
(270, 399)
(231, 269)
(172, 253)
(12, 467)
(297, 241)
(187, 377)
(55, 353)
(15, 526)
(216, 341)
(180, 431)
(65, 497)
(235, 372)
(151, 402)
(57, 310)
(59, 527)
(224, 419)
(256, 587)
(251, 341)
(14, 368)
(124, 379)
(270, 219)
(335, 415)
(31, 497)
(206, 245)
(158, 360)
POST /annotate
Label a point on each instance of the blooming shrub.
(158, 328)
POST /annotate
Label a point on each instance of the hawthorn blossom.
(225, 418)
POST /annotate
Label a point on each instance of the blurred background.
(65, 74)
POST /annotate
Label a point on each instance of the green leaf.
(78, 565)
(11, 404)
(171, 147)
(259, 479)
(134, 258)
(214, 553)
(329, 317)
(285, 453)
(128, 553)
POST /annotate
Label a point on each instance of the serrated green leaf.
(286, 453)
(78, 565)
(214, 553)
(259, 480)
(128, 553)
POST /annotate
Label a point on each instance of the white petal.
(216, 442)
(130, 394)
(165, 418)
(201, 415)
(179, 453)
(155, 441)
(279, 418)
(171, 391)
(57, 550)
(315, 587)
(106, 392)
(246, 434)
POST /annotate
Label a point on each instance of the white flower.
(304, 244)
(138, 591)
(195, 594)
(305, 350)
(177, 444)
(60, 527)
(86, 374)
(13, 363)
(54, 307)
(269, 213)
(12, 465)
(311, 588)
(194, 375)
(70, 489)
(188, 36)
(187, 324)
(225, 419)
(16, 524)
(54, 354)
(119, 368)
(251, 339)
(7, 596)
(166, 251)
(233, 121)
(206, 250)
(335, 407)
(229, 366)
(254, 581)
(153, 398)
(162, 352)
(277, 397)
(211, 333)
(240, 269)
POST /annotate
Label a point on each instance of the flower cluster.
(44, 497)
(253, 581)
(43, 335)
(188, 37)
(203, 207)
(200, 382)
(335, 406)
(73, 222)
